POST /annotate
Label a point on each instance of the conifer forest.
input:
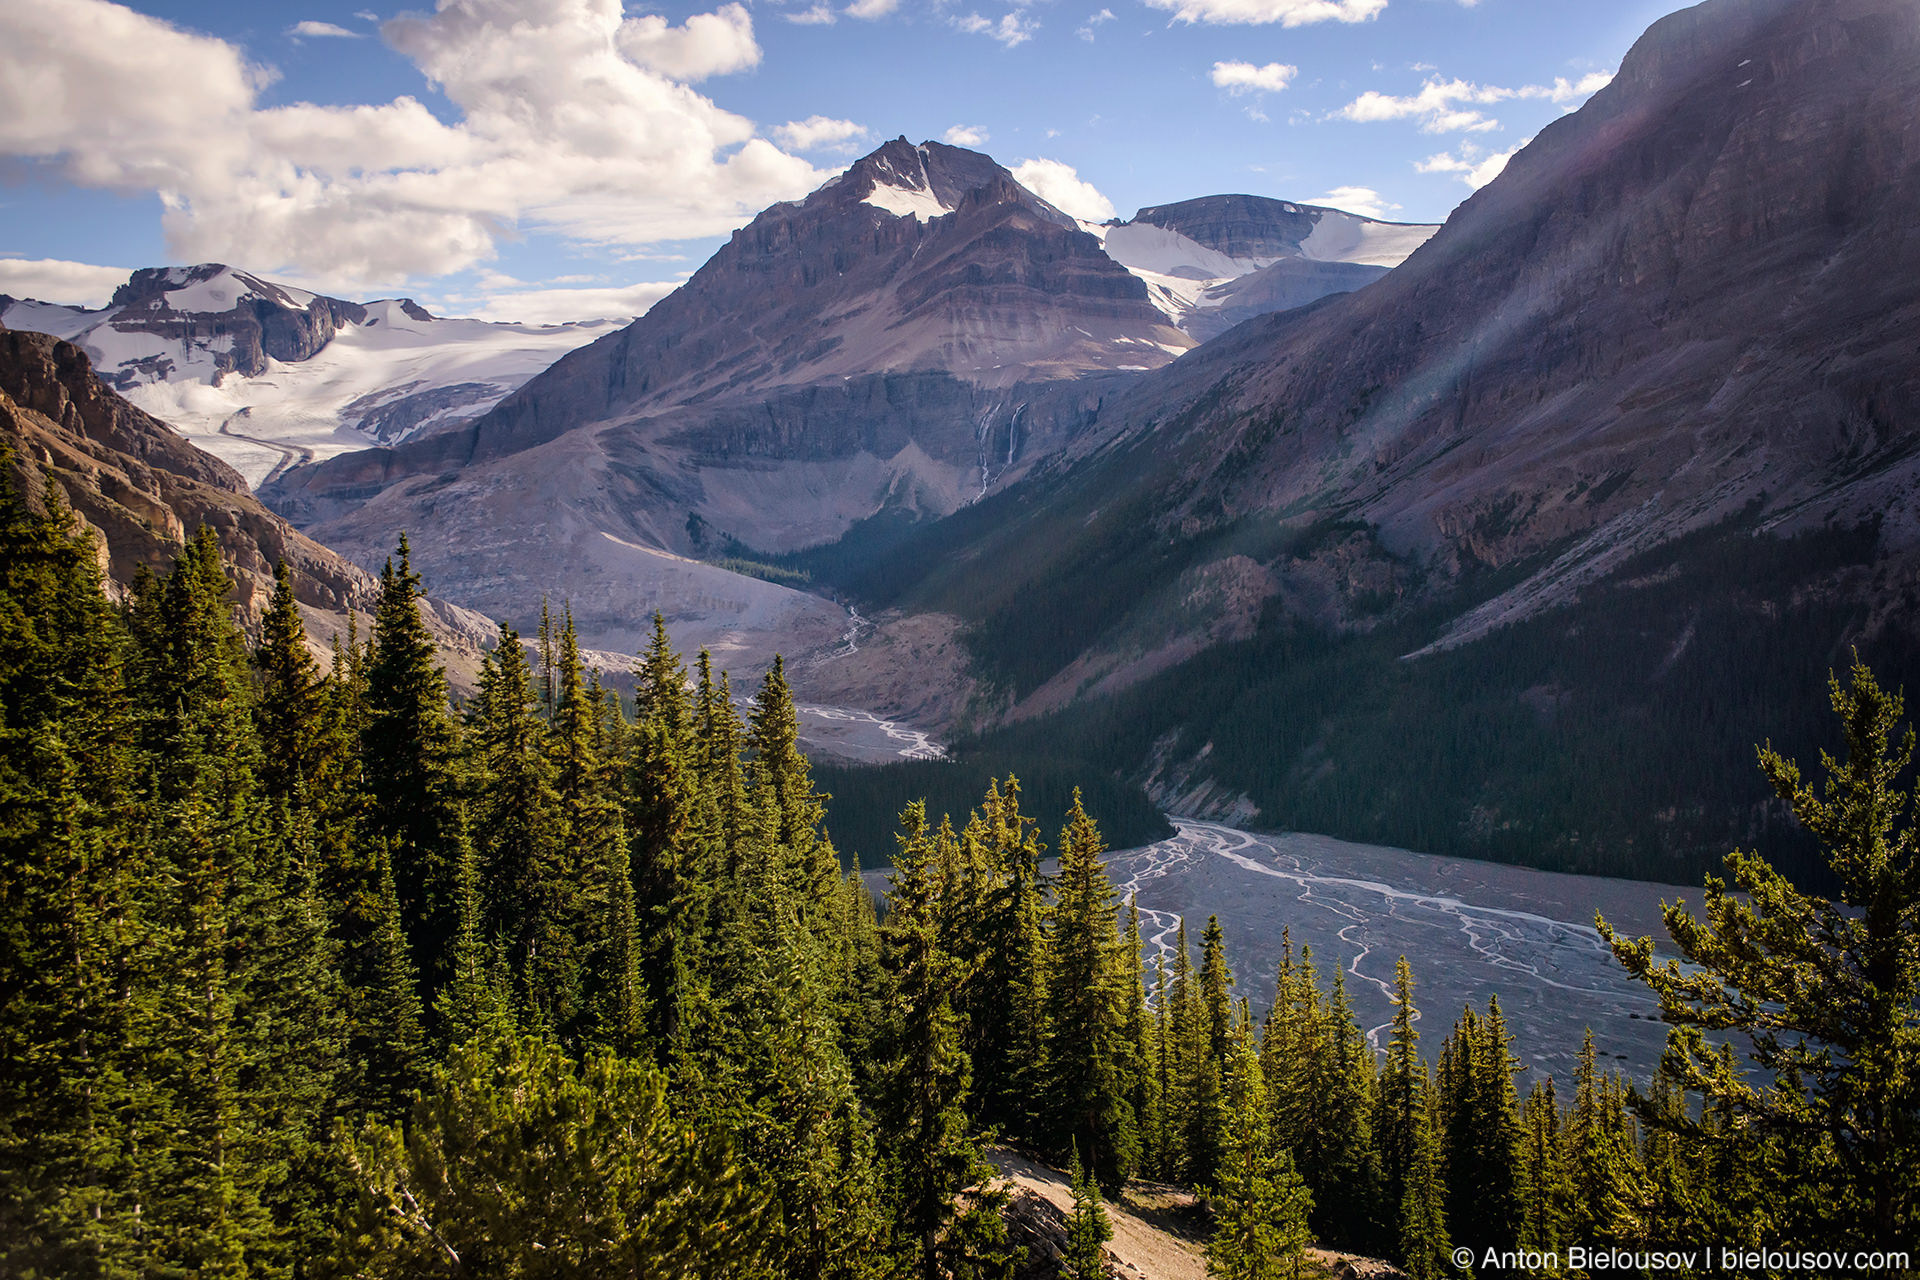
(315, 970)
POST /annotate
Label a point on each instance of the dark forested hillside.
(309, 974)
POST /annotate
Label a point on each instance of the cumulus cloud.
(819, 133)
(1012, 29)
(75, 284)
(965, 135)
(821, 15)
(321, 30)
(1244, 77)
(1364, 201)
(707, 44)
(1288, 13)
(1086, 29)
(1476, 167)
(871, 9)
(1452, 106)
(561, 306)
(567, 121)
(1060, 185)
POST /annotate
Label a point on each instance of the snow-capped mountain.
(264, 375)
(1212, 262)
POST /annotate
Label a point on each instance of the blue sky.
(556, 159)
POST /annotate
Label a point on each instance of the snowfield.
(400, 373)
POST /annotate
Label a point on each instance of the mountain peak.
(925, 181)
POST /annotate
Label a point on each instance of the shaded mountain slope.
(1623, 459)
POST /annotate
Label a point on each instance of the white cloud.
(1450, 106)
(819, 133)
(560, 127)
(1288, 13)
(1086, 29)
(77, 284)
(1364, 201)
(708, 44)
(821, 15)
(871, 9)
(1012, 29)
(1244, 77)
(323, 30)
(1060, 185)
(965, 135)
(1572, 95)
(559, 306)
(1475, 167)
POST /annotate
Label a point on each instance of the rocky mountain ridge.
(266, 375)
(1213, 262)
(143, 491)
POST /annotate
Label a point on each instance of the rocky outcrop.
(1239, 226)
(264, 319)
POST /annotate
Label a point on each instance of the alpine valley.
(1507, 540)
(574, 801)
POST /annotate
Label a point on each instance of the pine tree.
(1545, 1191)
(1400, 1117)
(1425, 1246)
(1261, 1202)
(519, 1160)
(407, 752)
(1088, 1230)
(72, 901)
(1825, 990)
(928, 1075)
(1086, 1048)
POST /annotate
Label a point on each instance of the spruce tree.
(1425, 1246)
(525, 857)
(1086, 1049)
(73, 899)
(928, 1074)
(1545, 1191)
(1400, 1117)
(1007, 1002)
(407, 753)
(1824, 990)
(1261, 1204)
(1085, 1257)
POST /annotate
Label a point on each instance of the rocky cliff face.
(182, 304)
(1214, 262)
(144, 490)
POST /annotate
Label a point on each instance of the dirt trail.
(1158, 1231)
(1139, 1247)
